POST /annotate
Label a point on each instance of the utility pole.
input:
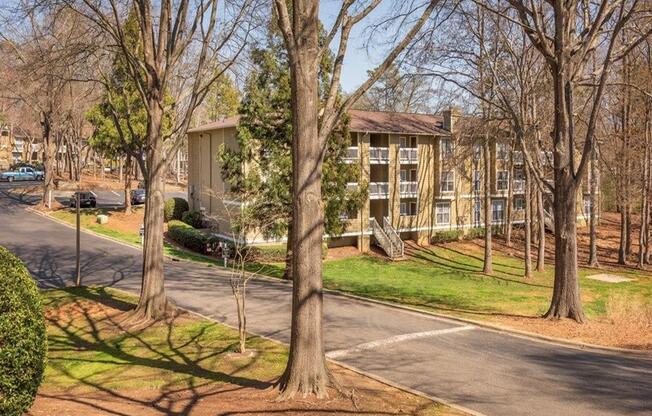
(78, 240)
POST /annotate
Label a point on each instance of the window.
(447, 181)
(446, 150)
(477, 180)
(519, 204)
(477, 212)
(410, 142)
(477, 151)
(408, 208)
(498, 210)
(502, 180)
(443, 212)
(408, 175)
(501, 151)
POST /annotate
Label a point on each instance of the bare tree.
(182, 45)
(565, 38)
(312, 121)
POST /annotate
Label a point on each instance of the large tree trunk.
(566, 302)
(488, 262)
(287, 273)
(306, 371)
(645, 186)
(153, 303)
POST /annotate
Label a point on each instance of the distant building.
(422, 178)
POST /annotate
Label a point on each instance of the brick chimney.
(451, 115)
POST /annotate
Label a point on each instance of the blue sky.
(358, 59)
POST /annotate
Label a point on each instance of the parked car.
(138, 196)
(22, 174)
(86, 199)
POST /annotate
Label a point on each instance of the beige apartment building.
(422, 178)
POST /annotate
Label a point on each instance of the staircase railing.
(383, 240)
(397, 244)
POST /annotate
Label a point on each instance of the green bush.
(190, 238)
(446, 236)
(192, 218)
(174, 209)
(476, 232)
(23, 341)
(273, 253)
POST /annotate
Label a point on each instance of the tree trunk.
(306, 371)
(645, 186)
(593, 189)
(127, 183)
(488, 262)
(541, 222)
(566, 302)
(287, 273)
(622, 255)
(48, 157)
(528, 224)
(153, 303)
(510, 198)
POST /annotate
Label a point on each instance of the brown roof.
(216, 125)
(393, 122)
(366, 121)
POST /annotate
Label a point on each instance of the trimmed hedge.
(446, 236)
(473, 233)
(192, 218)
(23, 339)
(274, 253)
(190, 238)
(174, 209)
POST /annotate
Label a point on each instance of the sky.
(358, 59)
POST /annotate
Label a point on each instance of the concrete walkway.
(486, 371)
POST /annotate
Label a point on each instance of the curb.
(363, 373)
(577, 345)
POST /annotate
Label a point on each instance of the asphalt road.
(105, 199)
(489, 372)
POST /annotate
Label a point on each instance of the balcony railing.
(408, 155)
(378, 190)
(351, 186)
(352, 154)
(378, 155)
(408, 189)
(518, 185)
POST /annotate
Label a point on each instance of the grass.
(439, 278)
(181, 365)
(88, 351)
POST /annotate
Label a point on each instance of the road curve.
(479, 369)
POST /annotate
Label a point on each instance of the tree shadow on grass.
(186, 358)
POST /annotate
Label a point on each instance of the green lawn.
(88, 349)
(440, 279)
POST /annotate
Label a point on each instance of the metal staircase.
(549, 220)
(387, 238)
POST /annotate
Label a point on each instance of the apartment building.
(422, 178)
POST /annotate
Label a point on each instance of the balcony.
(518, 186)
(352, 154)
(408, 155)
(408, 189)
(378, 155)
(352, 186)
(378, 190)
